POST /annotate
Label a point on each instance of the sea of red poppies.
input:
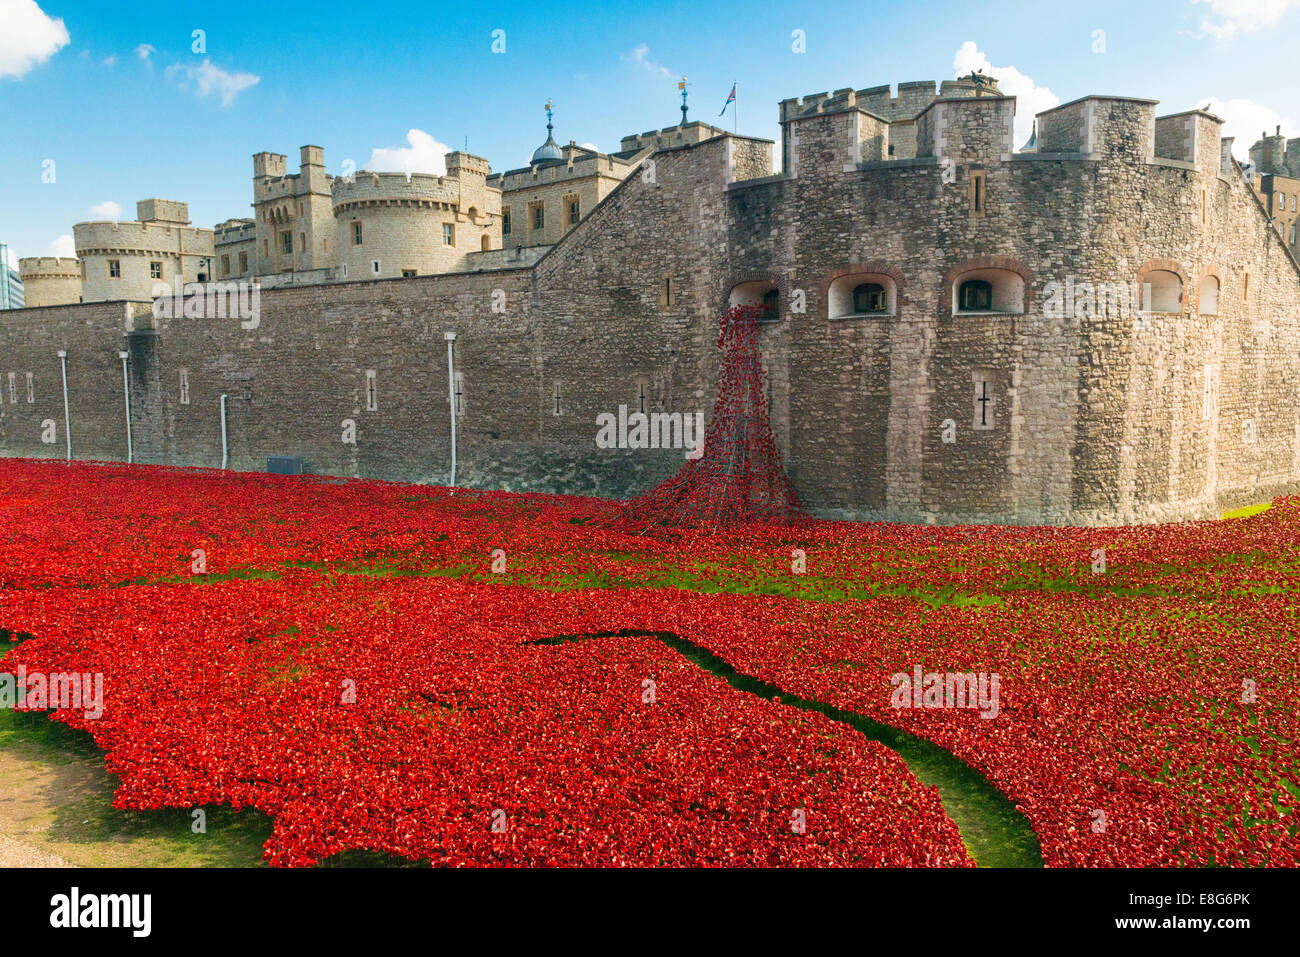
(360, 661)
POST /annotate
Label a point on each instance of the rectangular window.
(302, 242)
(575, 210)
(1210, 398)
(266, 248)
(1245, 288)
(505, 221)
(666, 291)
(114, 269)
(372, 392)
(13, 388)
(155, 270)
(356, 234)
(1204, 208)
(460, 394)
(31, 388)
(243, 263)
(448, 234)
(374, 267)
(345, 270)
(977, 196)
(286, 242)
(225, 265)
(539, 217)
(984, 399)
(185, 387)
(556, 409)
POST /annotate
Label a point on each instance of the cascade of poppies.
(739, 478)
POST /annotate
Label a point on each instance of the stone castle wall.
(1092, 418)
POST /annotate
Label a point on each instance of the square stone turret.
(167, 212)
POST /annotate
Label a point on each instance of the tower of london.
(1097, 326)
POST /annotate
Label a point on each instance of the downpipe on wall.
(224, 448)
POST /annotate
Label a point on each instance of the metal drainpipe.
(126, 393)
(451, 399)
(223, 430)
(67, 421)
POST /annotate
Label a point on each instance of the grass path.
(994, 832)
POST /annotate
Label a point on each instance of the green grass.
(1247, 511)
(94, 833)
(994, 832)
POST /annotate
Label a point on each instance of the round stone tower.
(391, 225)
(50, 280)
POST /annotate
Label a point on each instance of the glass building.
(11, 287)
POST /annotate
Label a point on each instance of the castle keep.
(1099, 328)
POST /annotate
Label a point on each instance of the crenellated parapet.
(50, 280)
(370, 189)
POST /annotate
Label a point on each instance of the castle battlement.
(50, 280)
(913, 97)
(579, 164)
(461, 162)
(370, 188)
(136, 237)
(693, 132)
(61, 267)
(235, 230)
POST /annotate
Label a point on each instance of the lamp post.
(451, 398)
(126, 395)
(67, 421)
(223, 431)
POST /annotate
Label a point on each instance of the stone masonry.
(997, 378)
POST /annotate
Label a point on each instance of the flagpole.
(735, 112)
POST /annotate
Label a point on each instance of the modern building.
(11, 284)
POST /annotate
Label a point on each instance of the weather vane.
(682, 86)
(979, 79)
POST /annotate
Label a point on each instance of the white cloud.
(110, 60)
(64, 247)
(144, 51)
(1246, 120)
(424, 155)
(590, 146)
(1031, 98)
(106, 210)
(641, 56)
(209, 79)
(1227, 18)
(29, 37)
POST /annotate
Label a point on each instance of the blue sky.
(115, 95)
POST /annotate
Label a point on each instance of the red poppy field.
(497, 679)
